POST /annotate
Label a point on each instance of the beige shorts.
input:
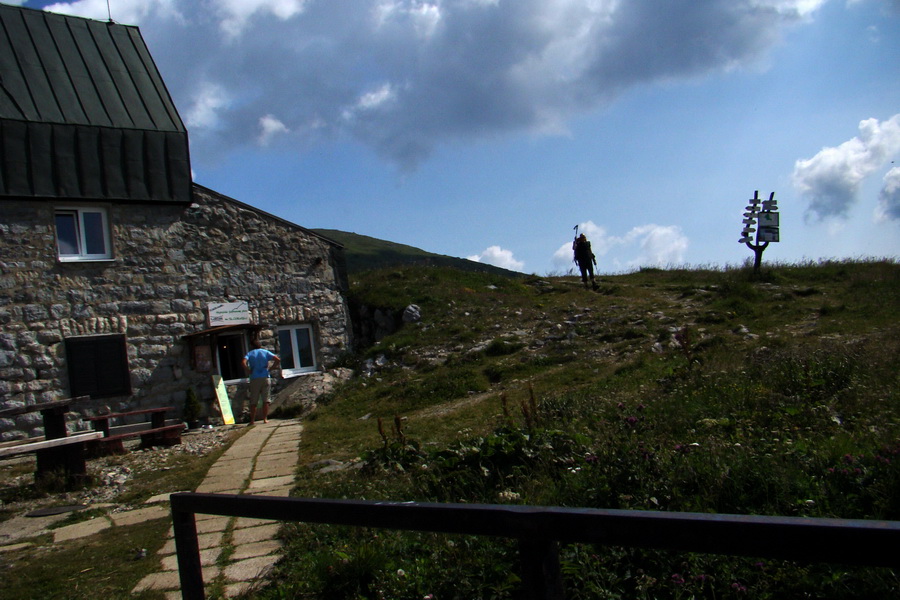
(258, 391)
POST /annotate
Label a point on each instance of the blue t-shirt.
(258, 360)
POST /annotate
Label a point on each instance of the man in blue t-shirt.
(256, 363)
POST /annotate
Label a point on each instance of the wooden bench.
(56, 451)
(156, 432)
(41, 443)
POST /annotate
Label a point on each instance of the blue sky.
(488, 129)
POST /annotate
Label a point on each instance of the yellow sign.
(224, 402)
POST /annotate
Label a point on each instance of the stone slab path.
(262, 461)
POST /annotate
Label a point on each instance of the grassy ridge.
(687, 390)
(366, 253)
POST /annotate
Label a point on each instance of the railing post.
(187, 547)
(541, 574)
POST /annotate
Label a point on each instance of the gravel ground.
(112, 474)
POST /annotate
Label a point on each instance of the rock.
(412, 314)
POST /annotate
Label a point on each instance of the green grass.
(100, 566)
(103, 565)
(681, 390)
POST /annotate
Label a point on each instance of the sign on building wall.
(202, 359)
(229, 313)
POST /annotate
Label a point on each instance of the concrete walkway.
(261, 462)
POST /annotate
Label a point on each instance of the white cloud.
(371, 101)
(447, 70)
(129, 12)
(422, 17)
(205, 110)
(889, 198)
(236, 13)
(497, 256)
(831, 179)
(655, 245)
(660, 246)
(270, 127)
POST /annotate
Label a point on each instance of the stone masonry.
(170, 262)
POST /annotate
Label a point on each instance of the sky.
(491, 129)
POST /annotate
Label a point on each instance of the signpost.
(763, 213)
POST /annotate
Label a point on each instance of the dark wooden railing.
(540, 531)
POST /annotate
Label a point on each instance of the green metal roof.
(84, 113)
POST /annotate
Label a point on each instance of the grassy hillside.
(366, 253)
(682, 390)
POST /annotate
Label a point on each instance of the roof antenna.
(109, 12)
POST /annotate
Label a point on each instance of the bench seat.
(64, 455)
(158, 431)
(26, 446)
(167, 435)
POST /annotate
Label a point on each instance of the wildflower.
(401, 573)
(739, 588)
(631, 420)
(677, 579)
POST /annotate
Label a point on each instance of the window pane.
(66, 233)
(98, 366)
(304, 347)
(94, 232)
(285, 349)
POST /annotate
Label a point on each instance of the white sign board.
(767, 234)
(768, 219)
(229, 313)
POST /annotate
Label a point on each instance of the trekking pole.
(575, 241)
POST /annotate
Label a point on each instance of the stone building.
(120, 278)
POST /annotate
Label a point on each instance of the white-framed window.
(82, 233)
(296, 350)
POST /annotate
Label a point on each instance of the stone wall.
(169, 263)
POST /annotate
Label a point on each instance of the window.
(296, 350)
(82, 234)
(98, 366)
(230, 351)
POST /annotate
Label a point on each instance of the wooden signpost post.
(766, 217)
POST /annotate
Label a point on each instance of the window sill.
(293, 374)
(79, 259)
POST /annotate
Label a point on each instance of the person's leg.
(266, 399)
(251, 401)
(254, 392)
(591, 271)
